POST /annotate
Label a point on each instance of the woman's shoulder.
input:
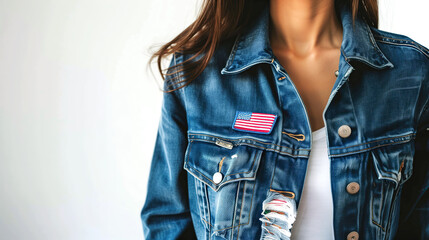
(215, 64)
(408, 57)
(220, 54)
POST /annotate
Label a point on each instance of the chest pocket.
(392, 167)
(224, 174)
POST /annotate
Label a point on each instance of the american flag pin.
(262, 123)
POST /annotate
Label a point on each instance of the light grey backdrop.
(79, 110)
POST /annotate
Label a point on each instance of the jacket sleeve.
(414, 216)
(165, 214)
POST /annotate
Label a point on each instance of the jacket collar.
(253, 46)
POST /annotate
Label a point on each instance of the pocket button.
(352, 187)
(353, 236)
(217, 177)
(344, 131)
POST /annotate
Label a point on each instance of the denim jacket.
(212, 178)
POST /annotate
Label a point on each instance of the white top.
(314, 218)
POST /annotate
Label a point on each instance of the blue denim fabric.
(381, 93)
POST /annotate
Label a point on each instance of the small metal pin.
(336, 73)
(224, 144)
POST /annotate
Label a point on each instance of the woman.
(291, 119)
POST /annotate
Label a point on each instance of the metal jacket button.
(217, 177)
(353, 187)
(353, 236)
(344, 131)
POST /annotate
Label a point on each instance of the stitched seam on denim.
(241, 209)
(399, 40)
(302, 103)
(371, 37)
(353, 105)
(372, 197)
(344, 54)
(382, 203)
(207, 204)
(416, 45)
(206, 195)
(378, 225)
(273, 173)
(378, 140)
(175, 75)
(233, 140)
(367, 62)
(395, 180)
(190, 167)
(275, 72)
(182, 90)
(259, 147)
(384, 177)
(251, 205)
(235, 209)
(240, 139)
(206, 222)
(197, 185)
(392, 207)
(244, 143)
(406, 44)
(372, 214)
(347, 59)
(298, 155)
(382, 145)
(280, 71)
(233, 51)
(264, 60)
(381, 207)
(388, 178)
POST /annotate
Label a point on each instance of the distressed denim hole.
(278, 215)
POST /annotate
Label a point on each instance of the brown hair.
(222, 19)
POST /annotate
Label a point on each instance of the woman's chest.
(359, 107)
(314, 78)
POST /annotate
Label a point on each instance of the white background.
(79, 109)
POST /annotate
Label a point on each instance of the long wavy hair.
(219, 20)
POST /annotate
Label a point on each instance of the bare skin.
(306, 38)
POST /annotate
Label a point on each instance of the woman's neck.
(303, 27)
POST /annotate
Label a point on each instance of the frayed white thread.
(278, 215)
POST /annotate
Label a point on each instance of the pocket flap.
(393, 162)
(221, 162)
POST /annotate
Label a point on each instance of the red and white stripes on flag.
(254, 122)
